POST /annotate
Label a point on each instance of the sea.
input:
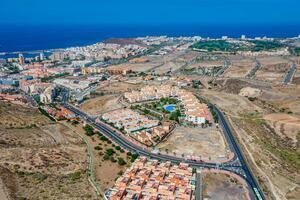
(28, 38)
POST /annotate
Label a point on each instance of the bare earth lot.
(207, 143)
(218, 186)
(239, 68)
(273, 69)
(100, 105)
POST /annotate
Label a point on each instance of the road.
(225, 67)
(90, 166)
(198, 192)
(253, 71)
(290, 73)
(248, 174)
(238, 165)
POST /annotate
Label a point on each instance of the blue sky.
(150, 12)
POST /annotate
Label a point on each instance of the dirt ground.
(118, 88)
(286, 126)
(207, 143)
(230, 103)
(100, 105)
(40, 159)
(217, 186)
(106, 171)
(239, 68)
(273, 69)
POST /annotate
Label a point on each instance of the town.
(161, 117)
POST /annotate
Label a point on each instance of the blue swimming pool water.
(170, 108)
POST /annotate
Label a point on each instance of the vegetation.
(89, 130)
(49, 78)
(175, 116)
(222, 45)
(75, 176)
(265, 45)
(134, 157)
(110, 152)
(215, 115)
(215, 45)
(46, 114)
(297, 51)
(121, 161)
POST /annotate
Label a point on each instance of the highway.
(290, 73)
(238, 165)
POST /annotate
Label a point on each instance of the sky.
(149, 12)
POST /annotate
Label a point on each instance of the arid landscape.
(40, 159)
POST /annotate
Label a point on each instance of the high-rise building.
(243, 37)
(21, 59)
(42, 56)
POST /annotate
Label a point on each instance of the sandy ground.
(100, 105)
(207, 143)
(222, 187)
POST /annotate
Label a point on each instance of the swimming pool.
(170, 108)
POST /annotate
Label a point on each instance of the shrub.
(118, 148)
(103, 138)
(106, 157)
(121, 161)
(110, 152)
(97, 148)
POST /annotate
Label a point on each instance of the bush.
(106, 157)
(134, 157)
(122, 150)
(121, 161)
(118, 148)
(103, 138)
(97, 148)
(74, 176)
(112, 159)
(110, 152)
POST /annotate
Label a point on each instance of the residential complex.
(194, 111)
(145, 130)
(152, 180)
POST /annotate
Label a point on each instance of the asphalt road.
(290, 73)
(241, 168)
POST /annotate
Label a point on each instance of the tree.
(89, 130)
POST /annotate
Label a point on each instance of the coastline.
(31, 39)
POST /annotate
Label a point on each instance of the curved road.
(239, 166)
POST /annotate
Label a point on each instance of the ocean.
(30, 37)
